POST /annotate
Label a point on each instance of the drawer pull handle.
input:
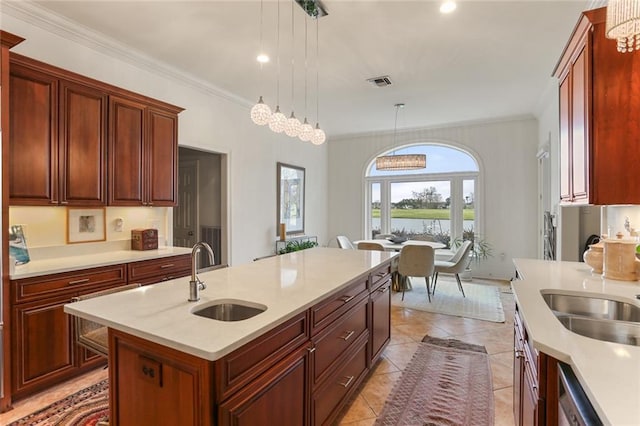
(348, 335)
(310, 350)
(381, 274)
(82, 281)
(519, 353)
(168, 265)
(347, 299)
(383, 289)
(348, 382)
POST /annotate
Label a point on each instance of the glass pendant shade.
(306, 131)
(277, 121)
(318, 136)
(623, 24)
(401, 162)
(292, 127)
(260, 113)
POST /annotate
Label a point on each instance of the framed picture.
(290, 199)
(85, 225)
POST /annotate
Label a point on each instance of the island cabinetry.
(157, 270)
(380, 317)
(535, 388)
(143, 153)
(42, 335)
(599, 106)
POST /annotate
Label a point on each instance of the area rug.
(447, 382)
(87, 407)
(482, 301)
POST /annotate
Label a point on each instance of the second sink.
(609, 331)
(592, 307)
(230, 310)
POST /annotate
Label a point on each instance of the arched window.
(438, 203)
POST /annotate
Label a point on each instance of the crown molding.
(47, 20)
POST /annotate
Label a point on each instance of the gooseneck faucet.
(195, 285)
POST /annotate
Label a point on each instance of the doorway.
(201, 211)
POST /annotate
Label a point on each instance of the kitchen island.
(608, 372)
(326, 322)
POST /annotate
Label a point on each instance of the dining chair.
(454, 265)
(344, 242)
(417, 261)
(366, 245)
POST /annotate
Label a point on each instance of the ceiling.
(488, 59)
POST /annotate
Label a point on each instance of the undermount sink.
(592, 307)
(230, 310)
(609, 331)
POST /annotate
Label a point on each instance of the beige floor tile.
(503, 400)
(384, 366)
(358, 411)
(400, 355)
(378, 388)
(502, 369)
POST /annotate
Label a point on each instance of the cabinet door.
(518, 372)
(126, 152)
(529, 399)
(380, 319)
(279, 395)
(579, 129)
(83, 145)
(565, 140)
(33, 161)
(42, 343)
(162, 149)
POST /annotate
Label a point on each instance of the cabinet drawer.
(335, 391)
(379, 275)
(332, 307)
(244, 364)
(337, 338)
(75, 282)
(156, 270)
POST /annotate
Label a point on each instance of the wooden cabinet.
(82, 142)
(380, 318)
(156, 270)
(599, 105)
(44, 351)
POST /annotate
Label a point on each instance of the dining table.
(391, 246)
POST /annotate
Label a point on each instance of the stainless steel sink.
(593, 307)
(609, 331)
(230, 311)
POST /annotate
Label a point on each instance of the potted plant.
(481, 250)
(296, 245)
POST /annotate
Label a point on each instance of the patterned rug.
(482, 301)
(447, 382)
(87, 407)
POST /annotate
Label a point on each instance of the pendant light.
(319, 137)
(260, 113)
(623, 24)
(306, 129)
(400, 161)
(292, 127)
(278, 119)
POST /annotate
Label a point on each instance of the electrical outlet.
(118, 224)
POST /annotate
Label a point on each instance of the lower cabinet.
(380, 318)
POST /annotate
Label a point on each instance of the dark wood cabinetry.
(85, 143)
(156, 270)
(599, 105)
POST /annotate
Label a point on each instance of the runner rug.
(87, 407)
(447, 382)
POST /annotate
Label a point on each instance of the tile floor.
(409, 326)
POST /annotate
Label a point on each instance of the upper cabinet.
(599, 109)
(77, 141)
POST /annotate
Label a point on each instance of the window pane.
(375, 209)
(469, 212)
(421, 210)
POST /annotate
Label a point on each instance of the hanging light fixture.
(623, 24)
(278, 119)
(400, 161)
(261, 113)
(292, 127)
(319, 137)
(306, 129)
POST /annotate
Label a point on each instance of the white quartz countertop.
(286, 285)
(72, 263)
(608, 372)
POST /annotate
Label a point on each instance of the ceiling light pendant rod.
(261, 113)
(306, 129)
(292, 127)
(319, 136)
(393, 161)
(278, 119)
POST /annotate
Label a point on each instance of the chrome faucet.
(195, 285)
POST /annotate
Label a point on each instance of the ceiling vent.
(380, 81)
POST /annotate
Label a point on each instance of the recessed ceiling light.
(262, 58)
(448, 6)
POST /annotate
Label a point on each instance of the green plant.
(296, 245)
(481, 249)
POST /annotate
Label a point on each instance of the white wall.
(506, 151)
(211, 121)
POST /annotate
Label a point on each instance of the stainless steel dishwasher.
(574, 408)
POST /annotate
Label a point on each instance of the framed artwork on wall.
(86, 225)
(290, 181)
